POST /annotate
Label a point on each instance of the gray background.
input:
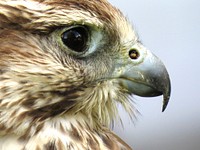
(171, 30)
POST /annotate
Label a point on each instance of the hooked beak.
(148, 78)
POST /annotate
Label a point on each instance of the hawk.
(65, 65)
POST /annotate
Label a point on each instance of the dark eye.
(76, 38)
(134, 54)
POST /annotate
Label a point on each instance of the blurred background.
(171, 30)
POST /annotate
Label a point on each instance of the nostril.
(134, 54)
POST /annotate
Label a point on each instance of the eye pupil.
(75, 39)
(134, 54)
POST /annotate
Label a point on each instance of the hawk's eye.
(76, 38)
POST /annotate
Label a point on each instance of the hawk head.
(65, 65)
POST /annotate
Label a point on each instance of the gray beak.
(146, 78)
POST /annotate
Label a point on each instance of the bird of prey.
(65, 65)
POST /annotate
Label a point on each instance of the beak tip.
(165, 102)
(166, 91)
(164, 107)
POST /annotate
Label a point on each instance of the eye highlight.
(76, 38)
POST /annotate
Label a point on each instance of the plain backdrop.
(171, 30)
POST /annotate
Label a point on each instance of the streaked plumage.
(54, 95)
